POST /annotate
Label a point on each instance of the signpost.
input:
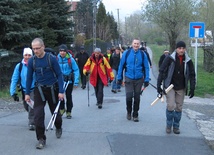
(196, 30)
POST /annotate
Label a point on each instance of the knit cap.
(180, 44)
(27, 51)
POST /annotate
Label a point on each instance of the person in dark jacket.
(136, 74)
(48, 87)
(165, 53)
(176, 69)
(114, 63)
(81, 59)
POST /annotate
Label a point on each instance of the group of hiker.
(47, 78)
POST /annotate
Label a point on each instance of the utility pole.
(94, 22)
(118, 24)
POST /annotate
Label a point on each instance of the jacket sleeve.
(192, 75)
(108, 69)
(14, 79)
(87, 66)
(58, 73)
(146, 65)
(75, 68)
(121, 66)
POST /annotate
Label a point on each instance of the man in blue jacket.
(135, 63)
(70, 73)
(20, 74)
(48, 87)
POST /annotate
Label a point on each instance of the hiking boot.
(135, 119)
(168, 129)
(58, 133)
(100, 106)
(41, 144)
(68, 115)
(113, 91)
(62, 111)
(176, 131)
(31, 127)
(128, 116)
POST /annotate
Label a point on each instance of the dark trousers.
(133, 89)
(69, 101)
(39, 110)
(99, 91)
(83, 77)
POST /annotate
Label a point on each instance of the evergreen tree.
(14, 29)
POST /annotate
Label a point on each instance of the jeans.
(115, 86)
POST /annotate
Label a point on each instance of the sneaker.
(68, 115)
(176, 131)
(41, 144)
(168, 130)
(118, 90)
(128, 116)
(58, 133)
(135, 119)
(62, 111)
(31, 127)
(113, 91)
(100, 106)
(83, 87)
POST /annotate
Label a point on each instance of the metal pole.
(196, 58)
(94, 22)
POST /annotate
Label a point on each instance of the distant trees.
(106, 27)
(172, 16)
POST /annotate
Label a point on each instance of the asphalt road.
(106, 131)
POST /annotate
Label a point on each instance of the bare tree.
(170, 15)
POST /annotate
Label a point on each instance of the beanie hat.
(97, 50)
(180, 44)
(27, 51)
(63, 47)
(82, 47)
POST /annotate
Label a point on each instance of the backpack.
(49, 55)
(126, 56)
(19, 86)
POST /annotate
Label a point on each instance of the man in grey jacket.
(176, 69)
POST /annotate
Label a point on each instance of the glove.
(146, 84)
(119, 82)
(87, 73)
(159, 90)
(15, 97)
(191, 93)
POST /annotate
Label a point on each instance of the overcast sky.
(126, 7)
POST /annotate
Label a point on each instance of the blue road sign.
(196, 26)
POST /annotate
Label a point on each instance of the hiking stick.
(88, 93)
(53, 118)
(167, 90)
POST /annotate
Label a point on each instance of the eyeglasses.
(38, 48)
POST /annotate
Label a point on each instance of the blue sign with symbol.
(196, 29)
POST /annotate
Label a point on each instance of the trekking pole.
(88, 94)
(153, 86)
(53, 118)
